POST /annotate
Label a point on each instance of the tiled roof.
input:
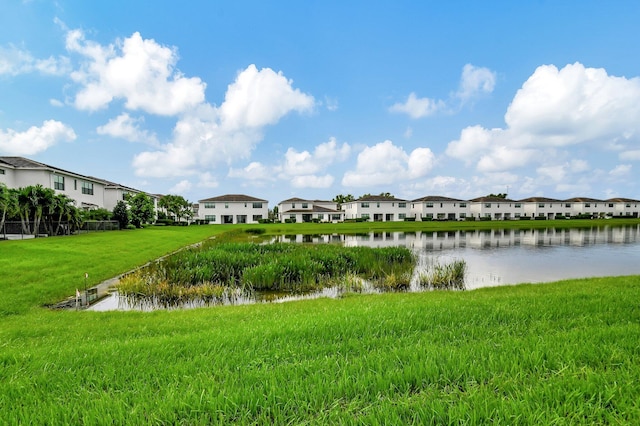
(379, 198)
(437, 198)
(539, 200)
(584, 200)
(492, 200)
(233, 198)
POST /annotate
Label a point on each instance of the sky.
(312, 99)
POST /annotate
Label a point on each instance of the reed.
(449, 276)
(294, 268)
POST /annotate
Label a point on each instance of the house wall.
(496, 210)
(451, 210)
(383, 211)
(232, 211)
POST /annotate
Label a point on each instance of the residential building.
(496, 208)
(547, 208)
(88, 192)
(377, 208)
(586, 206)
(299, 210)
(439, 208)
(232, 208)
(622, 207)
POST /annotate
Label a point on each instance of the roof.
(315, 209)
(492, 200)
(584, 200)
(539, 200)
(300, 200)
(622, 200)
(437, 198)
(379, 198)
(233, 198)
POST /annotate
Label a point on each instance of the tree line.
(37, 207)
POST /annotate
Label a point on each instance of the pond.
(511, 256)
(493, 257)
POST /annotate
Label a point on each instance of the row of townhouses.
(91, 193)
(88, 192)
(245, 209)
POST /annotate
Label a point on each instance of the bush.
(165, 221)
(255, 231)
(131, 226)
(409, 219)
(469, 219)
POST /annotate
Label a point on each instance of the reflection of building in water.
(478, 239)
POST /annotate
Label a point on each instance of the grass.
(561, 353)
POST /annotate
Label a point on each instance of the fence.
(15, 231)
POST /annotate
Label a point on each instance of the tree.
(177, 206)
(8, 203)
(121, 214)
(500, 195)
(65, 210)
(33, 203)
(341, 199)
(141, 209)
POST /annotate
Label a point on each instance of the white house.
(88, 192)
(548, 208)
(435, 207)
(377, 208)
(622, 207)
(299, 210)
(495, 208)
(232, 208)
(584, 205)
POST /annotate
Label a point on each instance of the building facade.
(299, 210)
(435, 207)
(378, 208)
(232, 208)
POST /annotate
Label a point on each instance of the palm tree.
(8, 203)
(64, 208)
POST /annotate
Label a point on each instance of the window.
(401, 216)
(257, 217)
(75, 184)
(517, 215)
(293, 205)
(429, 205)
(320, 216)
(364, 205)
(365, 216)
(463, 205)
(402, 205)
(610, 204)
(587, 204)
(209, 205)
(463, 215)
(487, 205)
(568, 205)
(335, 217)
(226, 205)
(627, 205)
(87, 188)
(518, 205)
(429, 216)
(257, 206)
(125, 194)
(292, 216)
(210, 217)
(378, 205)
(1, 171)
(58, 182)
(305, 205)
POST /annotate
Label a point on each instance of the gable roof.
(437, 198)
(379, 198)
(492, 200)
(584, 200)
(539, 200)
(233, 198)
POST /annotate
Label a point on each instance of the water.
(493, 257)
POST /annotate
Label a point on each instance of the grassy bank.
(561, 353)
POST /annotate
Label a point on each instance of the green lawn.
(561, 353)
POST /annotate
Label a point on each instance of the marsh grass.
(448, 276)
(205, 272)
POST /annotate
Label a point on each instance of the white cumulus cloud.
(416, 107)
(139, 71)
(35, 139)
(16, 61)
(126, 127)
(557, 109)
(386, 163)
(475, 81)
(208, 135)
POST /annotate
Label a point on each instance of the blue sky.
(312, 99)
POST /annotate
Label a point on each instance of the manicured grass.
(561, 353)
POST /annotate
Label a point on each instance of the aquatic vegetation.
(449, 276)
(206, 272)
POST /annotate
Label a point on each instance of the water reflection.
(511, 256)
